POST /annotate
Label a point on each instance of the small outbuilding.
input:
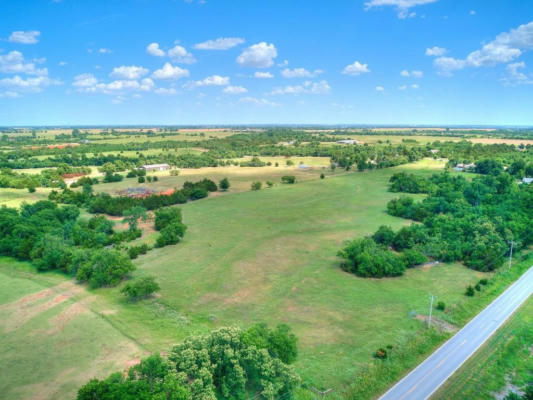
(348, 141)
(527, 181)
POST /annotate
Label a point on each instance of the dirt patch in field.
(442, 326)
(60, 321)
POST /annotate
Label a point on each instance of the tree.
(270, 183)
(140, 288)
(280, 343)
(133, 215)
(141, 179)
(256, 185)
(165, 216)
(224, 184)
(289, 179)
(384, 235)
(105, 268)
(171, 234)
(469, 291)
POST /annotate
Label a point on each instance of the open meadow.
(248, 256)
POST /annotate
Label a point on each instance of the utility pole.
(430, 310)
(511, 254)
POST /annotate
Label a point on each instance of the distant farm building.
(527, 181)
(464, 167)
(62, 145)
(434, 151)
(136, 192)
(155, 167)
(304, 166)
(348, 141)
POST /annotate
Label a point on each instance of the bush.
(441, 306)
(256, 185)
(134, 251)
(381, 353)
(289, 163)
(413, 257)
(469, 291)
(105, 268)
(483, 282)
(140, 288)
(171, 234)
(280, 343)
(478, 287)
(155, 178)
(141, 179)
(289, 179)
(270, 183)
(322, 176)
(366, 258)
(224, 184)
(384, 235)
(31, 189)
(165, 216)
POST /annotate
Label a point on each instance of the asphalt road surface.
(425, 379)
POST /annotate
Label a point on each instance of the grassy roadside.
(504, 361)
(380, 375)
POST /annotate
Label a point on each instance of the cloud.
(219, 44)
(472, 12)
(506, 47)
(154, 50)
(259, 102)
(263, 75)
(516, 77)
(14, 63)
(435, 51)
(235, 90)
(170, 72)
(9, 94)
(260, 55)
(413, 74)
(24, 37)
(213, 80)
(402, 6)
(85, 80)
(402, 87)
(181, 55)
(128, 72)
(104, 51)
(356, 69)
(88, 83)
(33, 84)
(166, 91)
(62, 63)
(300, 73)
(380, 88)
(415, 86)
(309, 87)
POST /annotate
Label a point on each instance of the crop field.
(248, 256)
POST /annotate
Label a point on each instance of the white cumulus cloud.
(170, 72)
(235, 90)
(309, 87)
(180, 54)
(435, 51)
(506, 47)
(259, 102)
(219, 44)
(128, 72)
(213, 80)
(402, 6)
(380, 88)
(413, 74)
(24, 37)
(260, 55)
(14, 63)
(300, 73)
(356, 69)
(154, 50)
(166, 91)
(263, 75)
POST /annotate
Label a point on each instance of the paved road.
(425, 379)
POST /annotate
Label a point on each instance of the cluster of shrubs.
(168, 222)
(110, 177)
(135, 251)
(471, 290)
(229, 363)
(140, 288)
(53, 238)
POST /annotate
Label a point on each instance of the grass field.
(503, 363)
(267, 255)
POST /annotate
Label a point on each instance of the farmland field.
(248, 256)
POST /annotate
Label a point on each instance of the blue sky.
(443, 62)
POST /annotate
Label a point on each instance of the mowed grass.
(52, 341)
(502, 363)
(271, 256)
(10, 197)
(267, 255)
